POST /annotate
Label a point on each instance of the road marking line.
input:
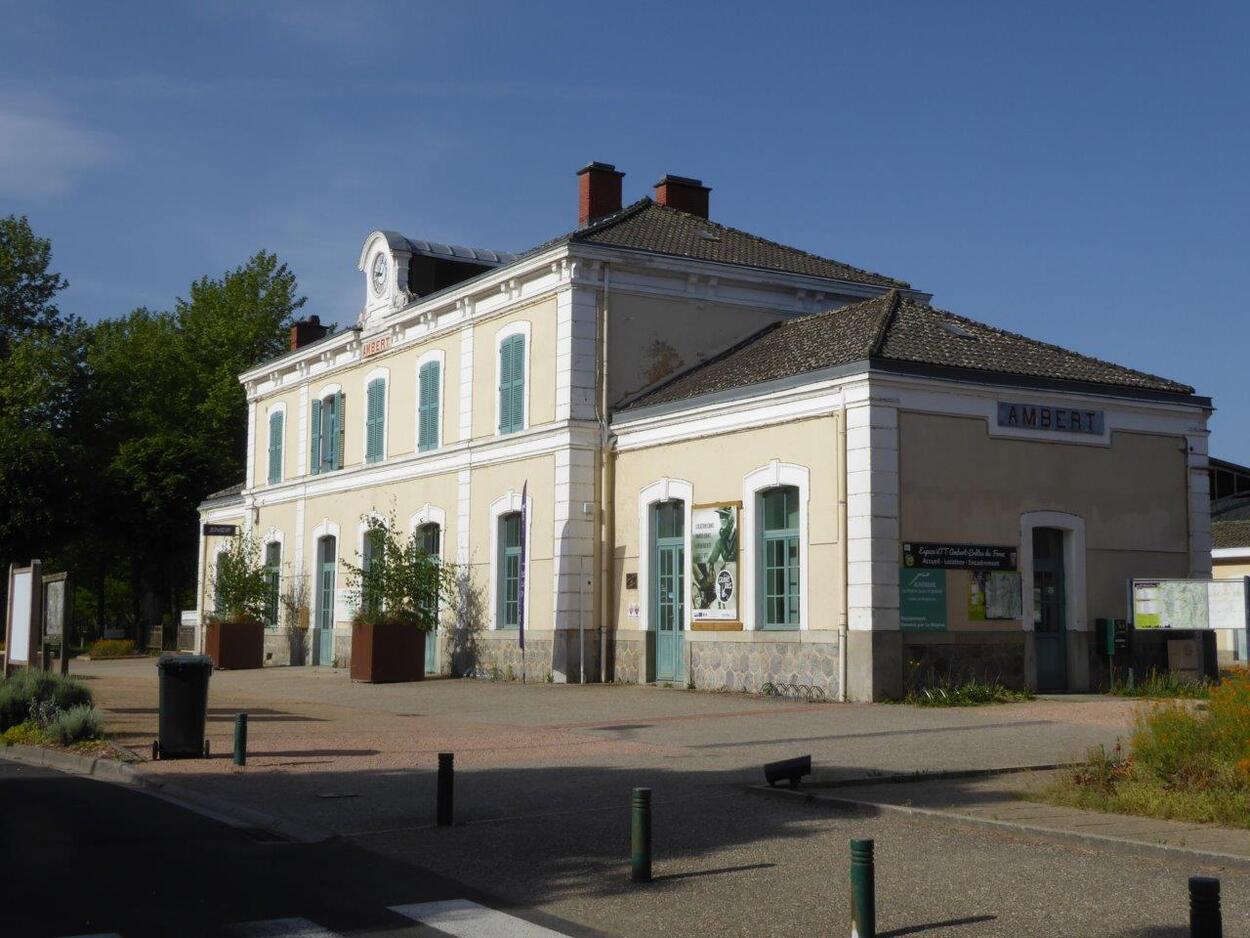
(466, 919)
(282, 928)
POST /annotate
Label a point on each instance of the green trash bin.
(183, 706)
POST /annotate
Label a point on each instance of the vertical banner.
(520, 593)
(714, 562)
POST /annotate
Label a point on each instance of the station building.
(741, 465)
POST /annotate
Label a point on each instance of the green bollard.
(640, 836)
(240, 739)
(1205, 920)
(863, 891)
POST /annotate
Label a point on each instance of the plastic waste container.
(183, 706)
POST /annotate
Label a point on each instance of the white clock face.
(379, 274)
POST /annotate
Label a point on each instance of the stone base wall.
(931, 658)
(284, 646)
(749, 666)
(625, 660)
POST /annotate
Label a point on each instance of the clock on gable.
(379, 273)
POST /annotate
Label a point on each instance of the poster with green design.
(921, 600)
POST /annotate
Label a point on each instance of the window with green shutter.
(314, 451)
(779, 557)
(339, 428)
(512, 384)
(509, 609)
(427, 407)
(375, 419)
(275, 447)
(273, 580)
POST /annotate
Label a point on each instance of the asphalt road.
(81, 857)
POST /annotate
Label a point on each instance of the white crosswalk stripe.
(282, 928)
(466, 919)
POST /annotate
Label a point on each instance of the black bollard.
(1204, 908)
(240, 739)
(640, 836)
(446, 788)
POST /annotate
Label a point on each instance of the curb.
(1140, 848)
(121, 773)
(937, 776)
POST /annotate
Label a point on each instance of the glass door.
(1049, 606)
(326, 557)
(669, 588)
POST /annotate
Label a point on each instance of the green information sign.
(922, 600)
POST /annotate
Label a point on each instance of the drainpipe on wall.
(843, 614)
(607, 488)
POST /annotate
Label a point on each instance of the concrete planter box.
(387, 652)
(237, 645)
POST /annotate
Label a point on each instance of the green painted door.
(429, 535)
(326, 558)
(1049, 605)
(668, 589)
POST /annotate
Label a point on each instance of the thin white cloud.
(43, 152)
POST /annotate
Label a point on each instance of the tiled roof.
(1230, 533)
(226, 493)
(647, 226)
(892, 328)
(1231, 508)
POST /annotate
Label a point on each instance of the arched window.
(375, 420)
(370, 548)
(512, 384)
(779, 552)
(326, 423)
(508, 615)
(273, 579)
(275, 446)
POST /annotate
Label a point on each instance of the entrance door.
(668, 590)
(428, 535)
(326, 557)
(1049, 605)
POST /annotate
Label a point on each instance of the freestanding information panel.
(23, 615)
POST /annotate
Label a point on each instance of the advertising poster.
(994, 594)
(922, 600)
(714, 563)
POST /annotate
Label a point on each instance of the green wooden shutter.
(512, 384)
(338, 427)
(275, 447)
(375, 419)
(314, 451)
(427, 430)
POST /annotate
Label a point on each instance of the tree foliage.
(241, 583)
(115, 432)
(400, 582)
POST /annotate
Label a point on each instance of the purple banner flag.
(520, 593)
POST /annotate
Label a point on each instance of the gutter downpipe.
(844, 604)
(607, 487)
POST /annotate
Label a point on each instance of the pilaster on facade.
(302, 448)
(1199, 493)
(464, 494)
(574, 534)
(466, 383)
(872, 490)
(576, 338)
(250, 475)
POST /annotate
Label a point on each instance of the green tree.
(27, 287)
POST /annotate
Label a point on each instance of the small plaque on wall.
(631, 581)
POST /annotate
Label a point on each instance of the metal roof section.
(456, 252)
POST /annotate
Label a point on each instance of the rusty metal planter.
(387, 652)
(236, 644)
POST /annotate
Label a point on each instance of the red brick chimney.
(307, 331)
(683, 194)
(598, 191)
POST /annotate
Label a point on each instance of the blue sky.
(1076, 172)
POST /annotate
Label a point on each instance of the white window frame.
(278, 408)
(385, 374)
(1073, 528)
(662, 490)
(519, 327)
(503, 505)
(775, 474)
(431, 514)
(328, 390)
(439, 356)
(328, 528)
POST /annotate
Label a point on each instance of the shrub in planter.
(399, 590)
(235, 637)
(111, 648)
